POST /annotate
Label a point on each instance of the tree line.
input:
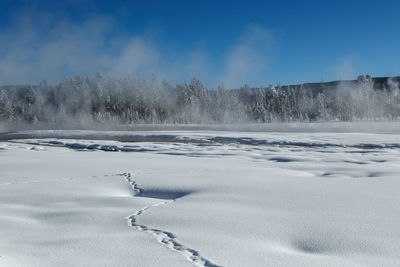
(133, 100)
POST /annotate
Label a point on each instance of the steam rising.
(248, 58)
(132, 100)
(42, 46)
(39, 46)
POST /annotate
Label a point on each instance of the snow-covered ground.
(205, 198)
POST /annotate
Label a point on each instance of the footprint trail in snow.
(165, 238)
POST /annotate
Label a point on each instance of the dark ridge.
(379, 83)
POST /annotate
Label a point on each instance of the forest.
(134, 99)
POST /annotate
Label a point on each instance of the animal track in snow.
(167, 239)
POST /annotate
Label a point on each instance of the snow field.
(222, 203)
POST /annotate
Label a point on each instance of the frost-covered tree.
(6, 108)
(133, 99)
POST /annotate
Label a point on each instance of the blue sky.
(258, 42)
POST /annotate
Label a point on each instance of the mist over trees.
(133, 100)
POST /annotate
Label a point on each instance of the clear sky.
(258, 42)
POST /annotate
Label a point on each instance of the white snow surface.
(199, 198)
